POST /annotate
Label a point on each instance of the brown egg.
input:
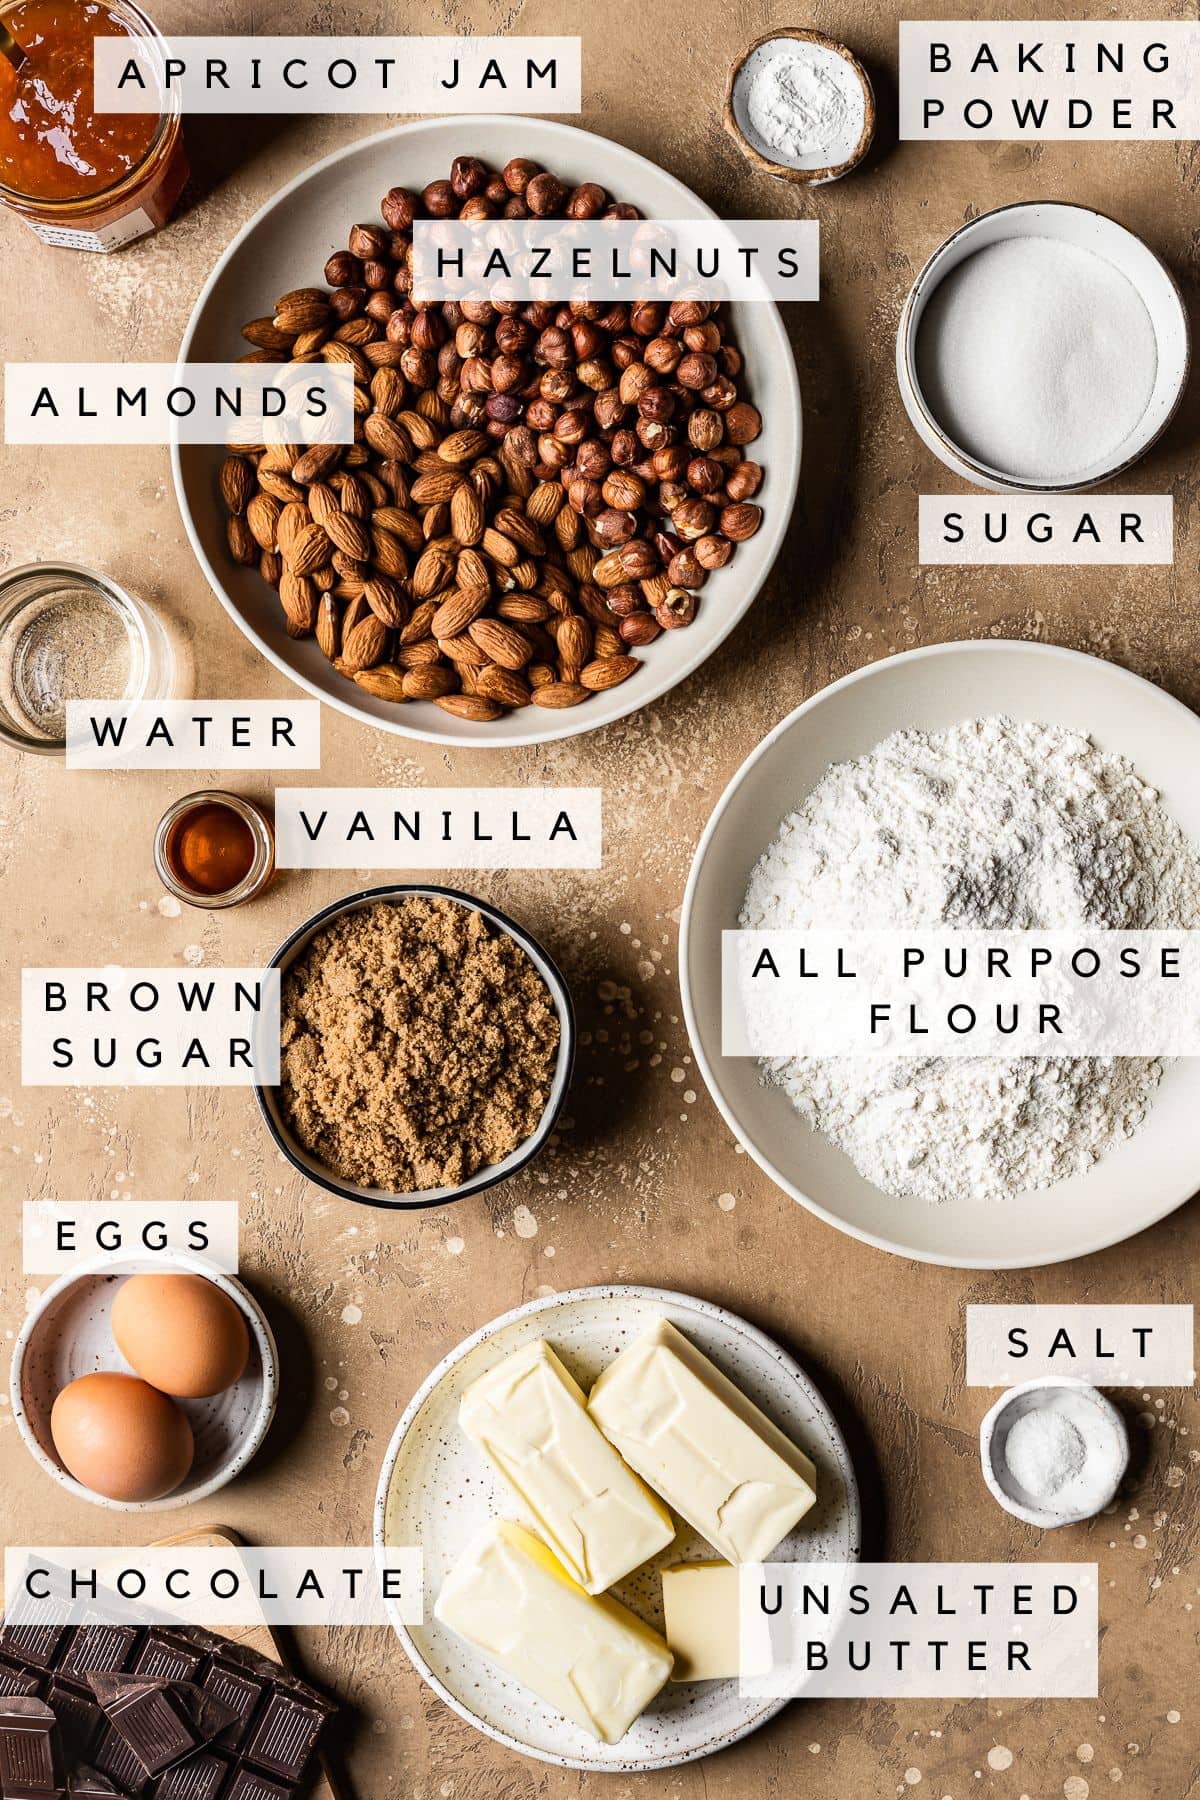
(120, 1437)
(181, 1333)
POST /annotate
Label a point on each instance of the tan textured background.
(365, 1303)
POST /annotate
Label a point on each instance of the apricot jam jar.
(79, 178)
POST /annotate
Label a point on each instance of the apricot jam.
(82, 178)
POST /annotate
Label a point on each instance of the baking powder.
(990, 825)
(801, 105)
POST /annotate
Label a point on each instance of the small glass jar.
(261, 866)
(67, 633)
(134, 203)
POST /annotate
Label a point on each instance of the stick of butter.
(711, 1454)
(700, 1604)
(585, 1655)
(530, 1418)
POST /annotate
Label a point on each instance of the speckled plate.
(437, 1491)
(68, 1333)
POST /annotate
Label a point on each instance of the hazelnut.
(740, 522)
(468, 176)
(639, 628)
(496, 191)
(503, 409)
(586, 338)
(677, 610)
(593, 459)
(545, 195)
(379, 306)
(705, 337)
(637, 560)
(634, 381)
(696, 370)
(611, 527)
(595, 373)
(585, 498)
(686, 570)
(705, 428)
(623, 600)
(571, 427)
(719, 394)
(712, 552)
(399, 208)
(621, 210)
(514, 336)
(428, 330)
(669, 464)
(555, 385)
(477, 208)
(645, 316)
(743, 423)
(440, 200)
(692, 519)
(744, 481)
(516, 208)
(689, 312)
(508, 372)
(553, 348)
(369, 241)
(653, 434)
(705, 475)
(656, 403)
(541, 415)
(624, 490)
(518, 174)
(609, 410)
(586, 201)
(662, 354)
(348, 302)
(343, 270)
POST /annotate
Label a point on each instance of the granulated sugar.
(1037, 358)
(990, 825)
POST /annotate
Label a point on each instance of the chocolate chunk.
(168, 1656)
(15, 1680)
(32, 1644)
(199, 1778)
(90, 1784)
(97, 1647)
(248, 1784)
(80, 1720)
(30, 1760)
(238, 1689)
(113, 1756)
(162, 1721)
(286, 1729)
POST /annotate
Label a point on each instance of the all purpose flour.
(992, 824)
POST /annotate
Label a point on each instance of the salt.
(1038, 358)
(1044, 1451)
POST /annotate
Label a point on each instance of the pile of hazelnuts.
(634, 409)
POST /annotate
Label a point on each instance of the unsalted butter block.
(711, 1453)
(700, 1604)
(585, 1655)
(529, 1416)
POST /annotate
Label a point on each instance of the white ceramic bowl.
(1134, 1184)
(68, 1333)
(286, 244)
(1088, 230)
(1099, 1423)
(436, 1490)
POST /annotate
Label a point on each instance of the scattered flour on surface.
(994, 825)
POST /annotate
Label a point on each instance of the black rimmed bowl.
(270, 1098)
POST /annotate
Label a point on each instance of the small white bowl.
(1101, 1427)
(859, 127)
(1087, 230)
(68, 1333)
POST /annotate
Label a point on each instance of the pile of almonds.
(534, 491)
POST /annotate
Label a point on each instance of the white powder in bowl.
(1037, 357)
(802, 103)
(995, 825)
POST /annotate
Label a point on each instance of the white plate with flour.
(437, 1490)
(1133, 1184)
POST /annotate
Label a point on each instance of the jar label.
(133, 225)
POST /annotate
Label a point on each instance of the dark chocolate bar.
(79, 1719)
(240, 1690)
(90, 1784)
(113, 1757)
(32, 1644)
(30, 1758)
(248, 1784)
(161, 1721)
(97, 1647)
(15, 1680)
(201, 1777)
(167, 1656)
(285, 1732)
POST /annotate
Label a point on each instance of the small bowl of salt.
(800, 106)
(1053, 1452)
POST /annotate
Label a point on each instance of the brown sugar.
(418, 1045)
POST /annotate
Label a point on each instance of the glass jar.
(139, 160)
(66, 634)
(170, 860)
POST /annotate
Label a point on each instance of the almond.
(495, 683)
(457, 612)
(387, 437)
(243, 546)
(545, 502)
(430, 681)
(264, 334)
(540, 674)
(464, 651)
(470, 706)
(364, 645)
(523, 609)
(309, 550)
(574, 642)
(281, 486)
(421, 622)
(328, 626)
(521, 530)
(237, 483)
(316, 462)
(387, 553)
(387, 392)
(262, 516)
(292, 521)
(473, 571)
(435, 485)
(558, 694)
(501, 549)
(385, 682)
(349, 535)
(298, 597)
(387, 601)
(270, 567)
(419, 655)
(501, 643)
(434, 571)
(609, 672)
(467, 516)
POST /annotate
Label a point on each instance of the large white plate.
(436, 1490)
(285, 245)
(1133, 1185)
